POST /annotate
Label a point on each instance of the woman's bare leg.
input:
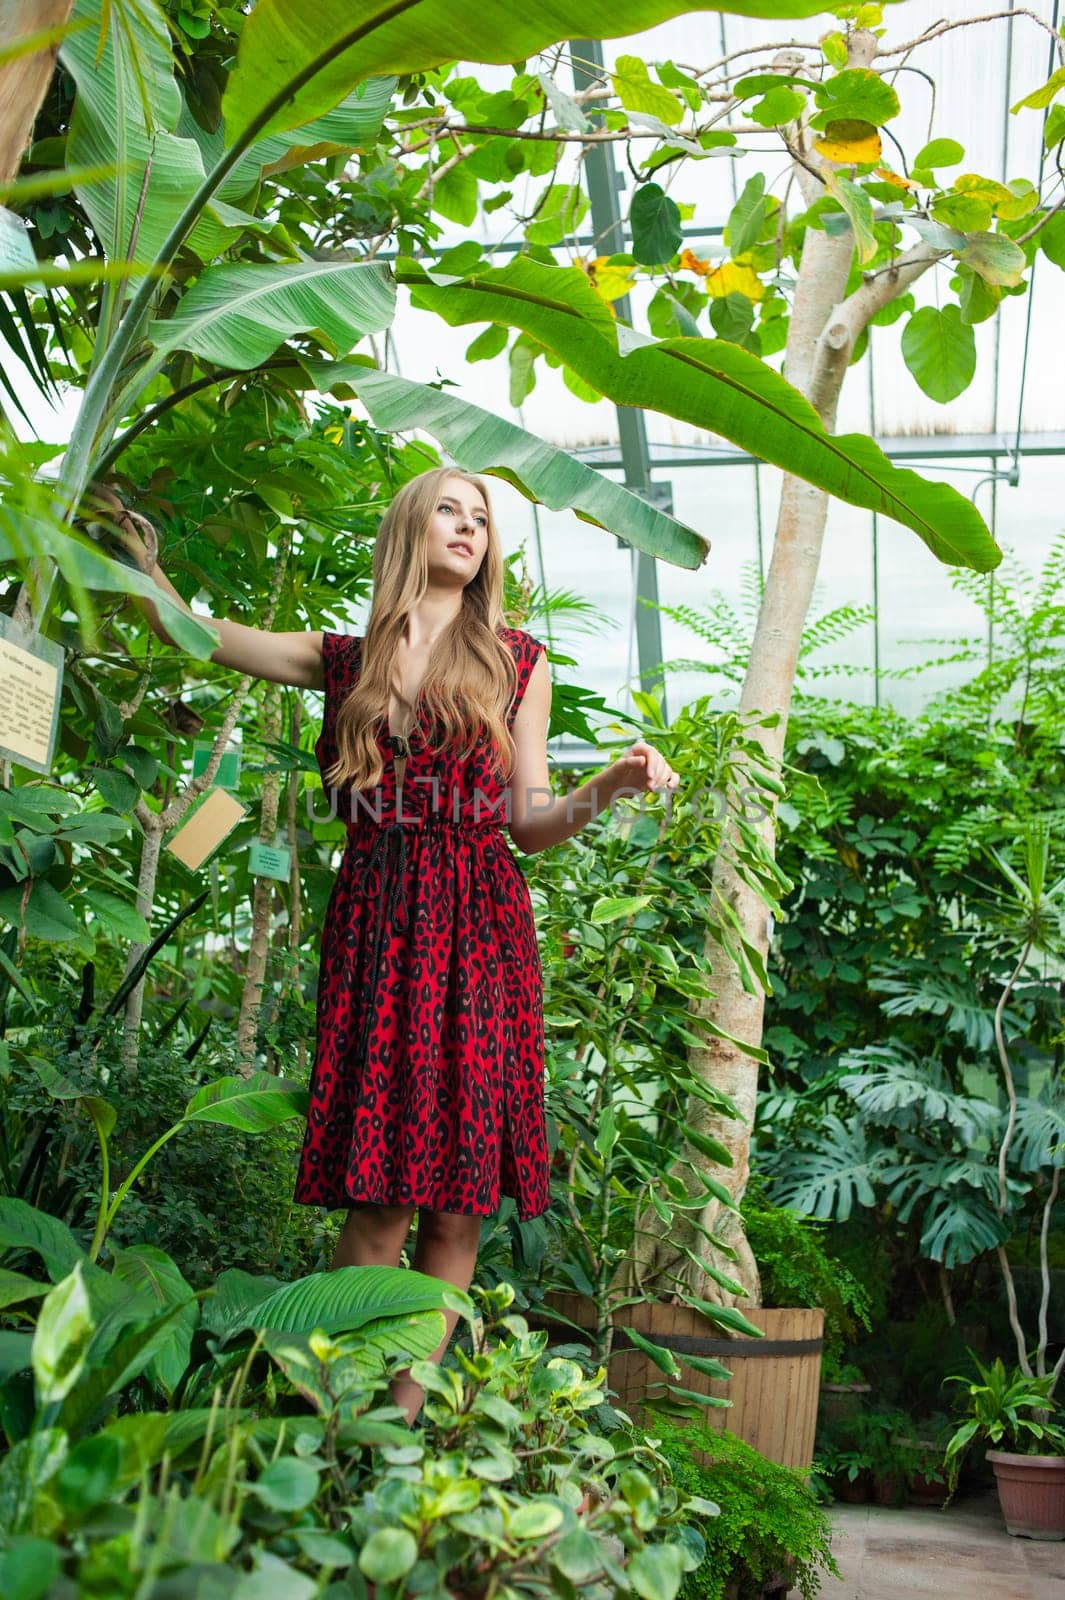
(446, 1248)
(372, 1235)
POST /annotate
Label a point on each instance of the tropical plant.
(297, 1470)
(100, 1481)
(209, 155)
(1006, 1407)
(854, 271)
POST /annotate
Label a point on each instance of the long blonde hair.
(471, 678)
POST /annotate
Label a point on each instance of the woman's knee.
(369, 1216)
(449, 1227)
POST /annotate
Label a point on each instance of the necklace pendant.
(400, 744)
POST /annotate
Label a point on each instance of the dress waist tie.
(388, 851)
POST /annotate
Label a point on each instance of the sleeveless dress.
(428, 1079)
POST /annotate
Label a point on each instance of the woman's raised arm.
(292, 658)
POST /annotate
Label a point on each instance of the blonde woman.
(427, 1091)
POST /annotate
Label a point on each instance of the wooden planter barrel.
(775, 1381)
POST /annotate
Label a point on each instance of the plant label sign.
(31, 680)
(228, 774)
(206, 825)
(16, 251)
(269, 861)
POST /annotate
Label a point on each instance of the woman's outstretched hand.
(126, 528)
(645, 768)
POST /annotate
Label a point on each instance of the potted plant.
(844, 1393)
(1012, 1408)
(926, 1479)
(868, 1454)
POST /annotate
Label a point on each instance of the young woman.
(427, 1091)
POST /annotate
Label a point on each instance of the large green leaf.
(283, 40)
(114, 1362)
(127, 107)
(16, 1352)
(355, 122)
(101, 1111)
(237, 315)
(252, 1104)
(16, 1287)
(62, 1337)
(23, 1227)
(347, 1298)
(940, 351)
(146, 1267)
(24, 538)
(235, 1292)
(479, 441)
(715, 385)
(130, 116)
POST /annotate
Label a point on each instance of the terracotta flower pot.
(842, 1400)
(1031, 1492)
(854, 1491)
(926, 1491)
(886, 1488)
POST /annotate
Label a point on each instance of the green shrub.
(769, 1520)
(797, 1270)
(294, 1467)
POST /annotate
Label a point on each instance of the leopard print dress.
(428, 1080)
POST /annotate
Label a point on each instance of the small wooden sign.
(31, 681)
(269, 861)
(203, 830)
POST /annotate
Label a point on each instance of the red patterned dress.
(428, 1080)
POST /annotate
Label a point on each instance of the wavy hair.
(471, 678)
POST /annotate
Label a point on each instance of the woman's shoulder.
(341, 654)
(340, 642)
(520, 640)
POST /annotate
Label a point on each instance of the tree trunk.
(158, 823)
(24, 81)
(154, 825)
(821, 337)
(262, 897)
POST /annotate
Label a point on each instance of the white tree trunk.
(262, 897)
(821, 337)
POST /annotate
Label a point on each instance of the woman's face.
(458, 532)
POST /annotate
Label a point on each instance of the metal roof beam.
(609, 235)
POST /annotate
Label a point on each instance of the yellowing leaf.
(994, 193)
(732, 278)
(636, 91)
(609, 282)
(849, 140)
(690, 262)
(895, 178)
(1025, 199)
